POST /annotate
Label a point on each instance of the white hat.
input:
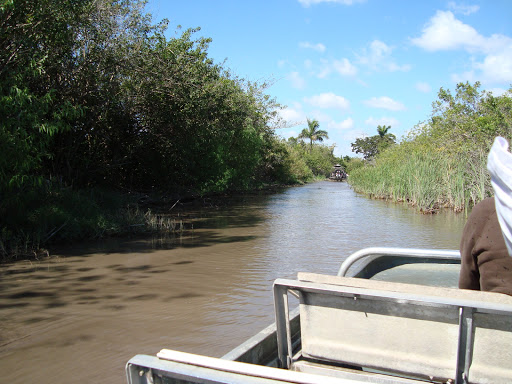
(499, 164)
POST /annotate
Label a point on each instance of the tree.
(92, 94)
(35, 44)
(371, 146)
(468, 116)
(386, 139)
(382, 130)
(313, 133)
(367, 146)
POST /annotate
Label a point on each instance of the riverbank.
(63, 216)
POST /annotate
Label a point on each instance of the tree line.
(95, 97)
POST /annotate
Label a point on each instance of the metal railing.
(375, 252)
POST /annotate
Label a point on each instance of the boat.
(338, 173)
(390, 315)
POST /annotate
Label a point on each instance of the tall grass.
(425, 177)
(442, 162)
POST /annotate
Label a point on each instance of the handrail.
(388, 251)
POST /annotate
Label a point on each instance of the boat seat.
(429, 333)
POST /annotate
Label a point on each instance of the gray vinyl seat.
(416, 331)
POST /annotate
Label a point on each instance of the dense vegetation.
(98, 106)
(442, 162)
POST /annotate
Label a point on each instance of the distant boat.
(338, 173)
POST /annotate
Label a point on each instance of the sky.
(353, 64)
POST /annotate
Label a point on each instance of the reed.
(163, 223)
(427, 179)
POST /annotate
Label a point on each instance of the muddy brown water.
(80, 315)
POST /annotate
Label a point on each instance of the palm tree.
(385, 138)
(313, 133)
(383, 130)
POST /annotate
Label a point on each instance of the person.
(486, 243)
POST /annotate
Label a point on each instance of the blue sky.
(353, 64)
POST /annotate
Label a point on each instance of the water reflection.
(82, 314)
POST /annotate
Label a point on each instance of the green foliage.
(313, 133)
(93, 95)
(298, 167)
(344, 161)
(353, 164)
(92, 92)
(320, 160)
(367, 146)
(442, 162)
(35, 44)
(371, 146)
(306, 163)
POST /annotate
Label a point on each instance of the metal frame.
(173, 366)
(467, 308)
(410, 253)
(245, 352)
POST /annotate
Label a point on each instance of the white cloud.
(292, 115)
(296, 80)
(287, 133)
(319, 115)
(352, 135)
(497, 68)
(328, 100)
(464, 9)
(384, 102)
(343, 67)
(463, 77)
(342, 125)
(423, 87)
(307, 3)
(377, 57)
(497, 91)
(324, 70)
(445, 32)
(316, 47)
(371, 121)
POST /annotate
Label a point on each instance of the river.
(80, 315)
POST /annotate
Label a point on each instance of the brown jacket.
(486, 264)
